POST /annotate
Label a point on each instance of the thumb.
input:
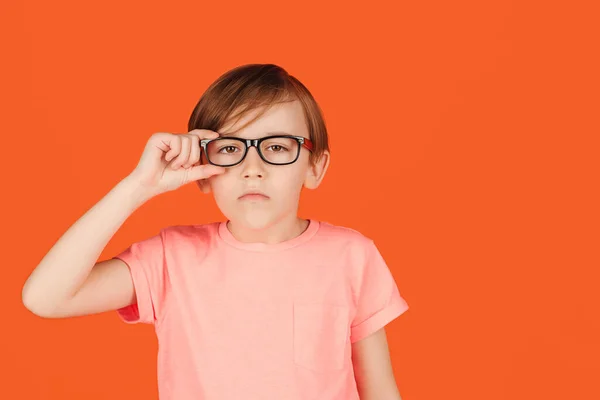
(204, 171)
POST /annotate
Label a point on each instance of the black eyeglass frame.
(302, 142)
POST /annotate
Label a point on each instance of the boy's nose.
(253, 165)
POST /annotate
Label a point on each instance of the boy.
(265, 305)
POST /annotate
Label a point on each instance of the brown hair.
(254, 86)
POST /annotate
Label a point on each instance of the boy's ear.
(203, 185)
(316, 171)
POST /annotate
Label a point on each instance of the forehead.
(282, 118)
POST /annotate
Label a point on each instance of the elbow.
(28, 300)
(32, 302)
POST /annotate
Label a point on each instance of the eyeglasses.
(274, 150)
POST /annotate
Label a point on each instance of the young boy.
(263, 306)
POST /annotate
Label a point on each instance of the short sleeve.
(146, 262)
(379, 300)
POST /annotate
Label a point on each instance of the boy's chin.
(255, 220)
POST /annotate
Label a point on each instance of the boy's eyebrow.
(266, 133)
(277, 133)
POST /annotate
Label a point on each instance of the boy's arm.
(373, 368)
(68, 281)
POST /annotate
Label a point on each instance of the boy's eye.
(276, 148)
(279, 145)
(227, 149)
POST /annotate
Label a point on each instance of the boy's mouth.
(253, 195)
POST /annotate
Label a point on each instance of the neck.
(280, 231)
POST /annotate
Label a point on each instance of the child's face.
(281, 184)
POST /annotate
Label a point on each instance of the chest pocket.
(321, 336)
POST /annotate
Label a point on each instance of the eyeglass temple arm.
(307, 143)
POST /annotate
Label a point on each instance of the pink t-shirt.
(261, 321)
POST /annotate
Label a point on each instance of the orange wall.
(464, 138)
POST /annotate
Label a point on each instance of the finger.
(184, 154)
(204, 133)
(161, 140)
(174, 142)
(194, 151)
(204, 171)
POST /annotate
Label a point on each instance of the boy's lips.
(253, 195)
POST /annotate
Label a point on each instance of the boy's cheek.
(218, 185)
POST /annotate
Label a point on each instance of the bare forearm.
(373, 369)
(66, 266)
(388, 392)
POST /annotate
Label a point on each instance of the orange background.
(464, 137)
